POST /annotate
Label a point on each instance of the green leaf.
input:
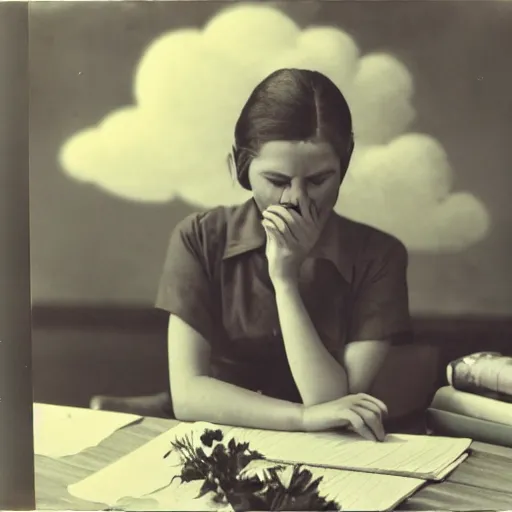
(190, 472)
(313, 486)
(208, 486)
(243, 501)
(256, 455)
(232, 446)
(220, 458)
(201, 454)
(299, 480)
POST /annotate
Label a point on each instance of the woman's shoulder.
(369, 239)
(206, 225)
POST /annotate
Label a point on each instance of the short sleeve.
(381, 306)
(185, 288)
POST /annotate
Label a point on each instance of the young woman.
(281, 311)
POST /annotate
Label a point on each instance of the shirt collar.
(245, 233)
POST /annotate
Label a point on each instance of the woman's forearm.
(317, 374)
(215, 401)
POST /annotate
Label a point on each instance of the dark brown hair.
(292, 105)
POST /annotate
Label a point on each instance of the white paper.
(418, 456)
(452, 467)
(141, 479)
(351, 489)
(60, 431)
(176, 496)
(137, 474)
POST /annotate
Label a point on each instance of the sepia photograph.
(269, 255)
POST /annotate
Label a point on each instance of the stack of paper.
(424, 457)
(360, 474)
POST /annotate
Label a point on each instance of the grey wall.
(88, 246)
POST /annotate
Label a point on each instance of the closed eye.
(278, 183)
(317, 181)
(321, 177)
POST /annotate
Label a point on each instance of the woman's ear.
(239, 167)
(345, 162)
(232, 166)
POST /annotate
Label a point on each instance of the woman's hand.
(361, 413)
(290, 238)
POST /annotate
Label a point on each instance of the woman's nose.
(293, 194)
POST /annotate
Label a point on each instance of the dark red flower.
(209, 436)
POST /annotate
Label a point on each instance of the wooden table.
(482, 482)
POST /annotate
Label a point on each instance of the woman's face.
(284, 171)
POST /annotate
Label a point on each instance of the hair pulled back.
(292, 105)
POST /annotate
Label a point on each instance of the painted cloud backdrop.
(189, 88)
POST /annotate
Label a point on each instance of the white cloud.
(405, 188)
(190, 86)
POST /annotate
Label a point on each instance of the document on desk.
(353, 491)
(142, 480)
(415, 456)
(60, 431)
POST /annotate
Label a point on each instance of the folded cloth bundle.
(483, 373)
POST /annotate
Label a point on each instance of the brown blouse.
(215, 278)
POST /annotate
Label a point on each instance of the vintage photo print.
(286, 219)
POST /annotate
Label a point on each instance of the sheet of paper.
(356, 490)
(366, 491)
(137, 474)
(452, 467)
(412, 455)
(141, 481)
(353, 491)
(60, 431)
(176, 496)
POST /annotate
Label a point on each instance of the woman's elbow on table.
(183, 407)
(189, 361)
(189, 399)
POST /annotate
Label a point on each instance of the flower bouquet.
(241, 478)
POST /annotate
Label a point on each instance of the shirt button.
(275, 332)
(259, 392)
